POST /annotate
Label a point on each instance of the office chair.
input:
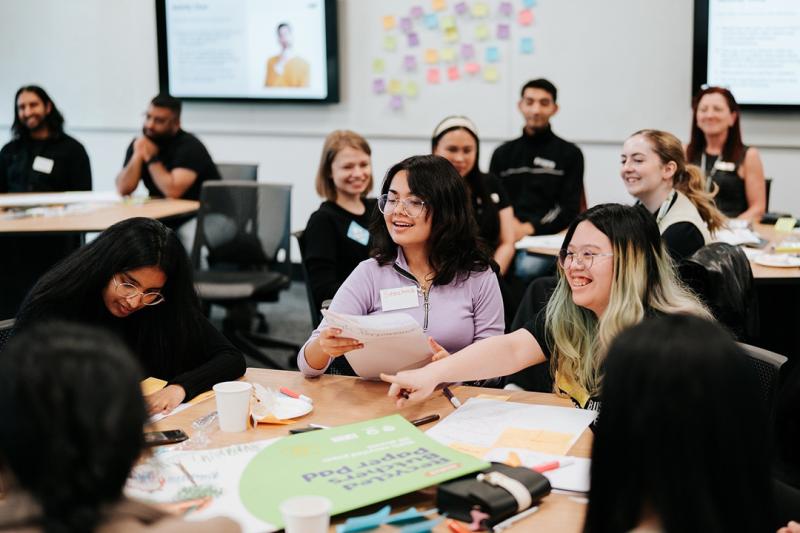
(768, 187)
(6, 331)
(767, 365)
(241, 257)
(238, 171)
(316, 316)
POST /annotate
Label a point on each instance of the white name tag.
(725, 166)
(43, 164)
(399, 298)
(545, 163)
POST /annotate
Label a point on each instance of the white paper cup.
(306, 514)
(233, 405)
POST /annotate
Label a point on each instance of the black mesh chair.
(316, 316)
(6, 331)
(767, 366)
(238, 171)
(241, 257)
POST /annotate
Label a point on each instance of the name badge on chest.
(399, 298)
(357, 232)
(43, 164)
(724, 166)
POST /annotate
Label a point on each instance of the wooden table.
(343, 400)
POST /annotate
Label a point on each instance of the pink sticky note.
(461, 8)
(396, 103)
(472, 68)
(416, 12)
(503, 31)
(413, 40)
(525, 17)
(405, 24)
(505, 9)
(467, 51)
(410, 63)
(378, 86)
(452, 73)
(433, 76)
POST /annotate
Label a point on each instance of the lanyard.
(709, 176)
(662, 211)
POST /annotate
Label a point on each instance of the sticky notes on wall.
(505, 9)
(529, 3)
(432, 76)
(396, 102)
(389, 43)
(412, 89)
(416, 12)
(406, 25)
(451, 35)
(378, 86)
(447, 22)
(492, 54)
(413, 40)
(472, 68)
(526, 45)
(378, 66)
(431, 56)
(410, 63)
(490, 74)
(448, 54)
(438, 5)
(431, 21)
(503, 31)
(389, 22)
(461, 8)
(452, 73)
(482, 32)
(480, 10)
(467, 51)
(525, 17)
(395, 87)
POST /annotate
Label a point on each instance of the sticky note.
(526, 45)
(438, 5)
(451, 35)
(378, 66)
(388, 22)
(433, 75)
(461, 8)
(431, 21)
(406, 24)
(525, 17)
(480, 10)
(413, 40)
(412, 90)
(467, 51)
(452, 73)
(395, 87)
(472, 68)
(365, 522)
(410, 63)
(447, 22)
(490, 74)
(396, 102)
(785, 224)
(151, 385)
(448, 54)
(416, 12)
(378, 86)
(505, 9)
(503, 31)
(431, 56)
(389, 43)
(469, 449)
(482, 32)
(529, 3)
(492, 54)
(513, 460)
(537, 440)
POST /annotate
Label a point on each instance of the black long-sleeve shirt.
(55, 164)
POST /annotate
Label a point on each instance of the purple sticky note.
(416, 12)
(410, 63)
(461, 8)
(503, 31)
(506, 9)
(413, 39)
(396, 103)
(378, 86)
(467, 51)
(405, 24)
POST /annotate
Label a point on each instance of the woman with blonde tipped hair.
(613, 273)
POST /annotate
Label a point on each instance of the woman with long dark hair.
(135, 279)
(426, 239)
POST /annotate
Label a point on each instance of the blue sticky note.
(529, 3)
(409, 515)
(492, 54)
(526, 45)
(365, 522)
(431, 21)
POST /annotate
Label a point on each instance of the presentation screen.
(284, 50)
(751, 47)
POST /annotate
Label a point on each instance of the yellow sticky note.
(497, 397)
(389, 22)
(412, 90)
(785, 224)
(469, 449)
(431, 56)
(438, 5)
(202, 397)
(480, 10)
(537, 440)
(395, 87)
(490, 74)
(151, 385)
(378, 66)
(448, 54)
(389, 43)
(482, 32)
(451, 35)
(448, 22)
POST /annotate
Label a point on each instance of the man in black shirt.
(542, 173)
(172, 163)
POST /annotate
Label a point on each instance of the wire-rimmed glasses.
(584, 258)
(128, 291)
(413, 207)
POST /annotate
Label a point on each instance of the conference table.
(342, 400)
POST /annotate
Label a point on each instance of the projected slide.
(754, 49)
(246, 48)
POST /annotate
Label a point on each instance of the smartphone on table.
(160, 438)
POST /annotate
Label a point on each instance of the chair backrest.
(243, 225)
(316, 316)
(768, 186)
(6, 331)
(238, 171)
(767, 366)
(721, 275)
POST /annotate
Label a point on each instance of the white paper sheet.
(59, 198)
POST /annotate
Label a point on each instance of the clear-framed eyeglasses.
(413, 207)
(585, 258)
(128, 291)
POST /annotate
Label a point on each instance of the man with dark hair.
(286, 69)
(41, 157)
(542, 173)
(171, 162)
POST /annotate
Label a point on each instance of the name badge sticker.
(544, 163)
(358, 233)
(399, 298)
(725, 166)
(43, 164)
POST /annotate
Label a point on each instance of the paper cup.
(233, 405)
(306, 514)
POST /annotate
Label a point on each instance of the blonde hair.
(688, 179)
(335, 142)
(643, 281)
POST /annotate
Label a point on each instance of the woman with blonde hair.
(336, 238)
(655, 171)
(613, 273)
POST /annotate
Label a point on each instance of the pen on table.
(187, 474)
(452, 397)
(552, 465)
(425, 420)
(310, 427)
(505, 524)
(297, 395)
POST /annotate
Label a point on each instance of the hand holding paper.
(333, 345)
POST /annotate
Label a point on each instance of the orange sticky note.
(452, 73)
(389, 22)
(431, 56)
(537, 440)
(469, 449)
(438, 5)
(513, 459)
(525, 17)
(433, 75)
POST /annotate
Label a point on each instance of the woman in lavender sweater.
(427, 243)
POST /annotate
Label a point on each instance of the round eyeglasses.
(128, 291)
(413, 207)
(584, 258)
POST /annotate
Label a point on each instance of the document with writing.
(392, 342)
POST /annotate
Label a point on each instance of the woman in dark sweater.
(336, 238)
(135, 280)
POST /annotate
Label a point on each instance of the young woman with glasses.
(613, 272)
(135, 279)
(426, 241)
